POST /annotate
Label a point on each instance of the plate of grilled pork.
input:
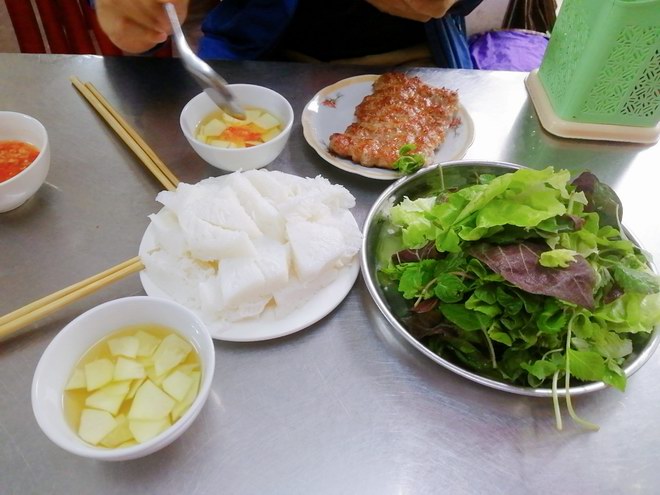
(361, 124)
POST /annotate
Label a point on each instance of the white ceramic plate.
(332, 110)
(267, 326)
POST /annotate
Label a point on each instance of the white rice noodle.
(210, 243)
(248, 309)
(344, 222)
(259, 208)
(316, 248)
(240, 279)
(315, 199)
(178, 276)
(333, 195)
(220, 208)
(214, 309)
(273, 259)
(298, 292)
(173, 199)
(274, 186)
(167, 232)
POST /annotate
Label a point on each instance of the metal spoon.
(210, 81)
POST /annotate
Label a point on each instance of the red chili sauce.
(15, 156)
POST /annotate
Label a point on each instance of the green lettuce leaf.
(557, 258)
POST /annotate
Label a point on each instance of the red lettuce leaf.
(411, 255)
(519, 265)
(425, 305)
(601, 198)
(422, 325)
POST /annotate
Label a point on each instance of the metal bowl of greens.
(512, 277)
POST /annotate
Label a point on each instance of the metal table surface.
(345, 406)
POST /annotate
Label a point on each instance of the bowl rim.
(282, 135)
(83, 449)
(374, 291)
(42, 150)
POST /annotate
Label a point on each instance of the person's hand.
(417, 10)
(136, 26)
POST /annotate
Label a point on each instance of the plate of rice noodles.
(257, 254)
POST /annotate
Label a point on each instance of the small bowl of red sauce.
(24, 158)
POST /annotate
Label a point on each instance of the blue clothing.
(244, 30)
(254, 29)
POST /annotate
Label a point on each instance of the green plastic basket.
(602, 64)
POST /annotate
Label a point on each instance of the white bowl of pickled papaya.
(124, 379)
(233, 144)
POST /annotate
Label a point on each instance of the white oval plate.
(332, 110)
(267, 325)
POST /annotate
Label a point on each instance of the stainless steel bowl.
(424, 183)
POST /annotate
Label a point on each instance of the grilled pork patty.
(401, 110)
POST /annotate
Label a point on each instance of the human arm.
(136, 26)
(417, 10)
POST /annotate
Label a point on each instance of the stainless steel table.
(345, 406)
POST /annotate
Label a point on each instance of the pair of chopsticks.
(20, 318)
(127, 134)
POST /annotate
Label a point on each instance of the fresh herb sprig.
(408, 162)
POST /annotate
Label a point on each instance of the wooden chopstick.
(14, 321)
(127, 134)
(136, 137)
(36, 310)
